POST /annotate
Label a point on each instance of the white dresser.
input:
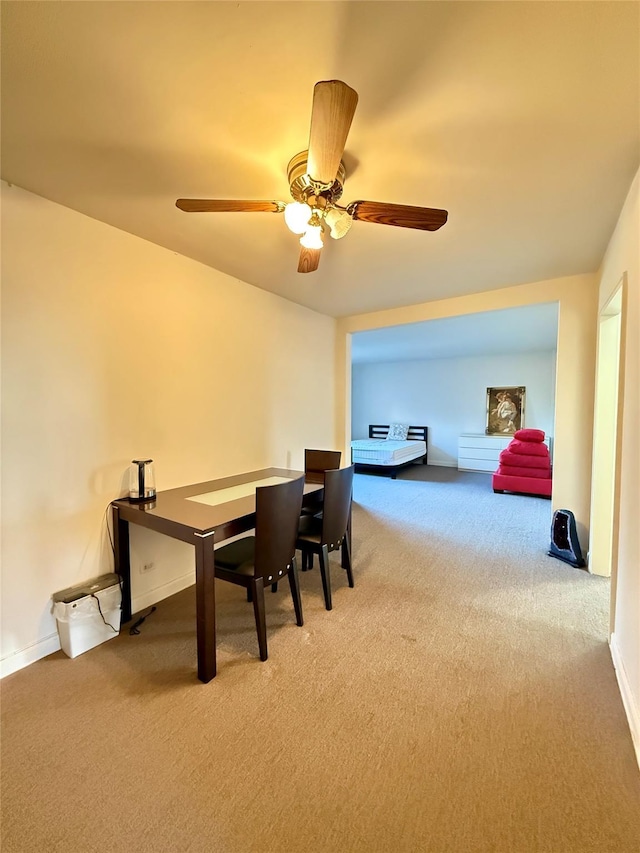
(479, 452)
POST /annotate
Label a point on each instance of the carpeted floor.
(461, 699)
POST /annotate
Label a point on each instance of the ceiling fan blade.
(216, 205)
(334, 104)
(309, 259)
(401, 215)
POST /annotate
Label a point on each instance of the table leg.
(205, 607)
(122, 560)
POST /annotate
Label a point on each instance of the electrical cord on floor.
(134, 628)
(115, 630)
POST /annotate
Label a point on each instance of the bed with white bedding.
(384, 453)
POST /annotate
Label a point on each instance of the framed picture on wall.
(505, 410)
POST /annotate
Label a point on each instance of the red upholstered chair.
(525, 465)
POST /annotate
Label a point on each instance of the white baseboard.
(628, 699)
(30, 654)
(50, 644)
(153, 596)
(443, 464)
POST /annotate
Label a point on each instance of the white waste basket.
(88, 614)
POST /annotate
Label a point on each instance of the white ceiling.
(521, 119)
(533, 328)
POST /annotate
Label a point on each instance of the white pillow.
(398, 432)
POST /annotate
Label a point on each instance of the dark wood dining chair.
(263, 559)
(322, 535)
(316, 462)
(319, 461)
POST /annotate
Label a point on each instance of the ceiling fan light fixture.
(312, 237)
(297, 215)
(339, 222)
(316, 180)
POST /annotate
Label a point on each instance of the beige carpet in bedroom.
(461, 699)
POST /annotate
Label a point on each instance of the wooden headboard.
(416, 433)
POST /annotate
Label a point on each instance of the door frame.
(607, 429)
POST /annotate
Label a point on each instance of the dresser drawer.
(488, 465)
(483, 442)
(488, 453)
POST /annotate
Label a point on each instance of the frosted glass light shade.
(297, 216)
(312, 238)
(339, 221)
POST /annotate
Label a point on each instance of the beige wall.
(578, 298)
(622, 259)
(114, 347)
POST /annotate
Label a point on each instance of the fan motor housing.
(301, 186)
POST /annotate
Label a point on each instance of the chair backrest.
(319, 461)
(337, 504)
(277, 515)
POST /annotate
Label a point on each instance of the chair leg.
(292, 574)
(274, 587)
(347, 539)
(307, 560)
(346, 559)
(258, 609)
(326, 579)
(249, 595)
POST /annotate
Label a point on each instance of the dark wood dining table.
(202, 514)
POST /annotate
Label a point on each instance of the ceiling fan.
(316, 179)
